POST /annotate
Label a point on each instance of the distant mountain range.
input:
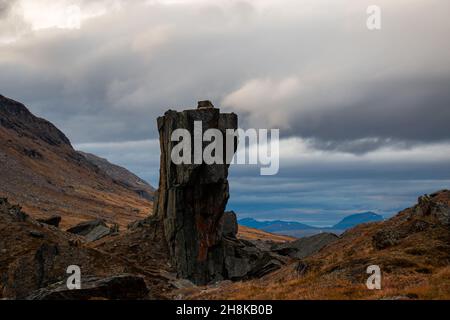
(297, 229)
(358, 218)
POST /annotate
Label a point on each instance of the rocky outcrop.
(429, 206)
(92, 230)
(13, 211)
(51, 221)
(229, 224)
(191, 201)
(386, 238)
(34, 259)
(431, 211)
(244, 260)
(304, 247)
(205, 104)
(191, 198)
(111, 288)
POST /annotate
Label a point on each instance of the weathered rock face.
(429, 206)
(431, 212)
(229, 224)
(94, 287)
(304, 247)
(34, 258)
(54, 220)
(93, 230)
(192, 197)
(191, 201)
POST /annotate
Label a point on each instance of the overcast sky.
(364, 116)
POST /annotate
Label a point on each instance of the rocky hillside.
(40, 170)
(412, 250)
(35, 256)
(189, 248)
(122, 176)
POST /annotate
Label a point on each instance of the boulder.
(85, 227)
(98, 233)
(91, 230)
(52, 221)
(243, 260)
(111, 288)
(36, 234)
(429, 206)
(386, 238)
(430, 212)
(30, 272)
(229, 224)
(14, 211)
(205, 104)
(306, 246)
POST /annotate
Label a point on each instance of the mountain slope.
(36, 256)
(247, 233)
(122, 176)
(40, 170)
(355, 219)
(412, 250)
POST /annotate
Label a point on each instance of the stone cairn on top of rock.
(205, 104)
(191, 201)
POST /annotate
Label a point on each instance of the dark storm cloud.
(122, 69)
(394, 113)
(112, 79)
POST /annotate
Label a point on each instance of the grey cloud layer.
(122, 69)
(310, 68)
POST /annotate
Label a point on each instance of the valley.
(60, 207)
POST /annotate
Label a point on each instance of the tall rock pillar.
(191, 199)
